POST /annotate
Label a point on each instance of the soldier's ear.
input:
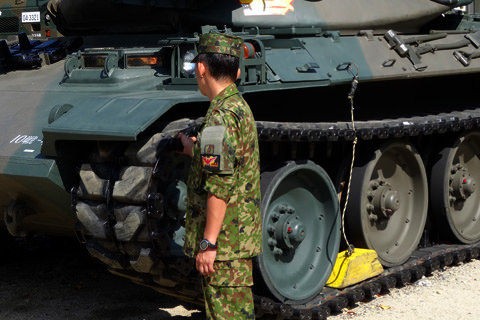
(202, 69)
(239, 73)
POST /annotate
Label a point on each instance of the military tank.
(368, 125)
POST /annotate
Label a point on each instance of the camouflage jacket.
(228, 169)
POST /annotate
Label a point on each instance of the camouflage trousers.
(228, 292)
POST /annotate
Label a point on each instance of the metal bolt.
(282, 209)
(277, 251)
(370, 195)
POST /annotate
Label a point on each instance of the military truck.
(25, 16)
(368, 122)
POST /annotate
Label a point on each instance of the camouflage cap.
(215, 42)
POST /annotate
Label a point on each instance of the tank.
(368, 120)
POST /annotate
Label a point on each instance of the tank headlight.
(94, 60)
(143, 61)
(188, 68)
(248, 50)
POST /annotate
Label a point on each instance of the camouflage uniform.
(226, 164)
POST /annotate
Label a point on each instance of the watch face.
(203, 245)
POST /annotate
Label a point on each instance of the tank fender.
(107, 118)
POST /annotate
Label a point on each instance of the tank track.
(332, 301)
(184, 283)
(368, 130)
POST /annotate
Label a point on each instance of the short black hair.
(220, 65)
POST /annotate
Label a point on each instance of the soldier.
(223, 221)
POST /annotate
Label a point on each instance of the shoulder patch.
(212, 149)
(211, 161)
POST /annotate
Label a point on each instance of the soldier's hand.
(187, 143)
(204, 262)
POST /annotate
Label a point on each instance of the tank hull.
(28, 177)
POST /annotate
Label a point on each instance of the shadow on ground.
(47, 278)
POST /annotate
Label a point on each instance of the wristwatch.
(205, 244)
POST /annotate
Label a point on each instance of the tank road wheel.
(389, 201)
(301, 231)
(455, 201)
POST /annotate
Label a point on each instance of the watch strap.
(205, 244)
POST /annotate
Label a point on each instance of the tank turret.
(292, 16)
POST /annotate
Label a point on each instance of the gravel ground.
(54, 279)
(448, 295)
